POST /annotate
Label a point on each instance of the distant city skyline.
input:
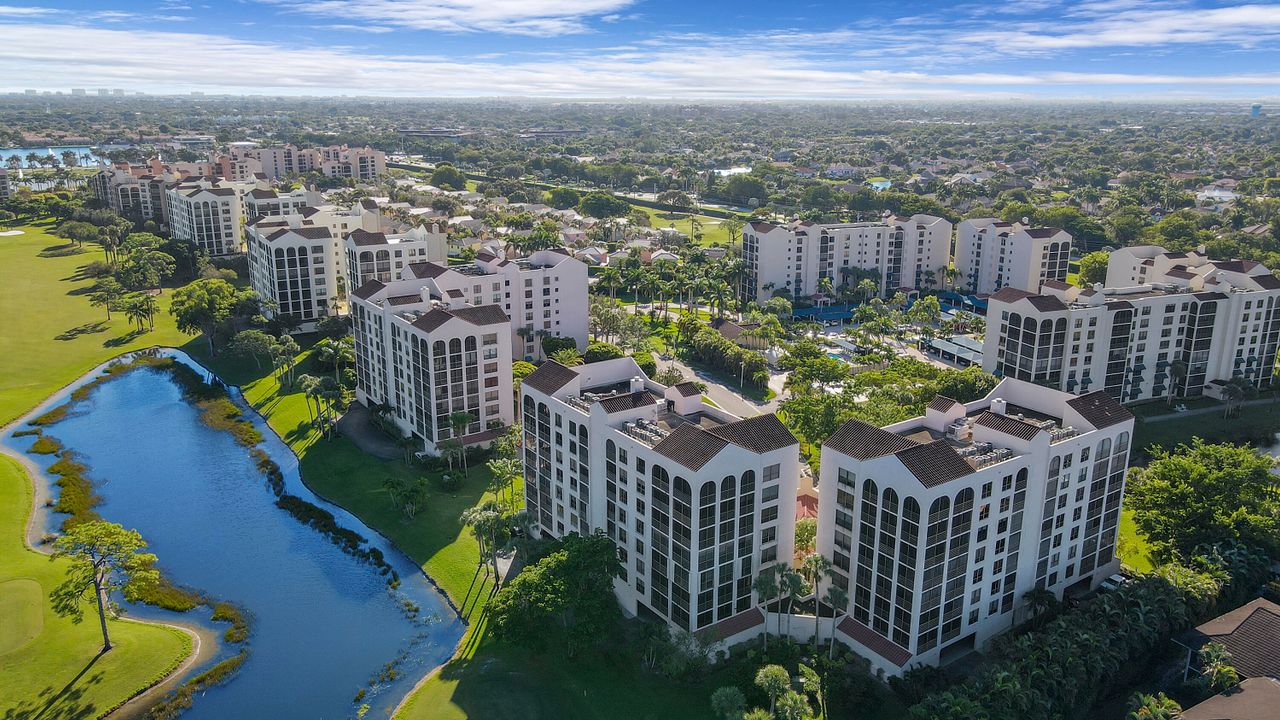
(910, 50)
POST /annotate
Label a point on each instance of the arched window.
(1055, 466)
(707, 494)
(728, 487)
(1104, 449)
(1122, 442)
(610, 450)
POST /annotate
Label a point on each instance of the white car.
(1113, 582)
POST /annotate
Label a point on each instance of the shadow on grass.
(57, 251)
(81, 290)
(92, 328)
(124, 339)
(66, 704)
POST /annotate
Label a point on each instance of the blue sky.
(902, 50)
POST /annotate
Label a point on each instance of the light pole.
(742, 370)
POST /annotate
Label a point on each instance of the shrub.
(45, 445)
(597, 351)
(646, 362)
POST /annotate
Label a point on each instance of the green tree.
(563, 198)
(806, 534)
(775, 681)
(1153, 707)
(728, 703)
(489, 528)
(602, 205)
(1093, 269)
(1201, 494)
(568, 357)
(203, 307)
(105, 557)
(254, 344)
(448, 177)
(106, 294)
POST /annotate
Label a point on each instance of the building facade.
(795, 258)
(696, 500)
(381, 256)
(939, 525)
(208, 213)
(1193, 325)
(991, 254)
(294, 266)
(279, 161)
(428, 356)
(6, 187)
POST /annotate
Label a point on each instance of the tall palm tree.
(816, 568)
(610, 277)
(487, 524)
(792, 585)
(1177, 375)
(458, 422)
(837, 598)
(766, 587)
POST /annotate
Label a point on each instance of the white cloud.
(688, 68)
(19, 11)
(520, 17)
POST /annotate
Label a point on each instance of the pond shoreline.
(205, 643)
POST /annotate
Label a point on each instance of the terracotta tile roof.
(1251, 633)
(875, 642)
(1057, 285)
(1046, 303)
(364, 237)
(432, 320)
(1008, 425)
(426, 270)
(1099, 409)
(934, 463)
(1236, 265)
(1010, 294)
(688, 445)
(764, 227)
(864, 441)
(687, 389)
(368, 290)
(735, 624)
(760, 434)
(481, 314)
(942, 403)
(549, 377)
(1253, 699)
(630, 401)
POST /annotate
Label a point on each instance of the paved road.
(726, 396)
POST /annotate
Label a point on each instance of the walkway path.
(357, 425)
(723, 395)
(1204, 410)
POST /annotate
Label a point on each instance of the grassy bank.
(49, 666)
(1255, 424)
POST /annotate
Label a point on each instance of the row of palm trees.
(791, 585)
(688, 284)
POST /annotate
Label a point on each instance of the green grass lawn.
(1133, 548)
(714, 231)
(51, 667)
(1255, 423)
(51, 335)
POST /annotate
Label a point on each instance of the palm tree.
(766, 587)
(310, 385)
(1177, 375)
(458, 422)
(487, 525)
(792, 587)
(505, 471)
(568, 357)
(838, 599)
(407, 443)
(775, 681)
(868, 289)
(1153, 707)
(815, 568)
(610, 277)
(136, 313)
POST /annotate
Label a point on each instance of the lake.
(79, 150)
(324, 624)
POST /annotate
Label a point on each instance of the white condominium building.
(1193, 324)
(139, 190)
(992, 254)
(273, 203)
(427, 356)
(696, 500)
(545, 294)
(937, 526)
(209, 213)
(6, 189)
(333, 161)
(295, 265)
(909, 253)
(383, 256)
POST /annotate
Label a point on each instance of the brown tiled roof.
(426, 270)
(313, 233)
(1042, 232)
(432, 320)
(1057, 285)
(1100, 409)
(760, 434)
(864, 441)
(735, 624)
(942, 403)
(364, 237)
(689, 445)
(687, 389)
(630, 401)
(1008, 425)
(1236, 265)
(764, 227)
(1010, 294)
(260, 194)
(1255, 698)
(368, 290)
(481, 314)
(934, 463)
(1181, 274)
(1209, 296)
(404, 299)
(1251, 633)
(875, 642)
(1267, 282)
(549, 377)
(1046, 303)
